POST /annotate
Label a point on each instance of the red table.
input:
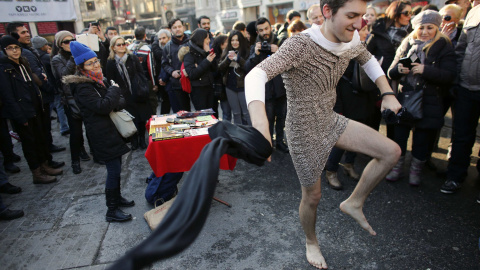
(179, 155)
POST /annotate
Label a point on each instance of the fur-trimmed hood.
(76, 79)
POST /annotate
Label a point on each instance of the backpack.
(161, 189)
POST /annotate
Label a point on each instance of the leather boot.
(50, 171)
(415, 170)
(114, 214)
(134, 141)
(41, 178)
(397, 171)
(124, 202)
(348, 169)
(76, 167)
(333, 181)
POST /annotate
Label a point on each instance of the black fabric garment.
(188, 214)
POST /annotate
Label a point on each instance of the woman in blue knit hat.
(96, 98)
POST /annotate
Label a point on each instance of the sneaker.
(15, 136)
(450, 187)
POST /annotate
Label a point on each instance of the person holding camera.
(275, 96)
(232, 66)
(433, 75)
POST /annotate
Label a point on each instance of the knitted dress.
(311, 73)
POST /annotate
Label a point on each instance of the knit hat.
(81, 52)
(60, 36)
(427, 16)
(38, 42)
(8, 40)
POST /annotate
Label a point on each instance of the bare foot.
(315, 257)
(357, 214)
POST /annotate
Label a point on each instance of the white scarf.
(337, 48)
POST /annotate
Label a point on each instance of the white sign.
(36, 11)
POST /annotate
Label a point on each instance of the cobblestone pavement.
(418, 228)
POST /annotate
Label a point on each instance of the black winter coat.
(48, 96)
(20, 98)
(437, 78)
(38, 70)
(141, 110)
(225, 69)
(96, 102)
(170, 61)
(199, 69)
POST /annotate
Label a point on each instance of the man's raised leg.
(385, 153)
(308, 216)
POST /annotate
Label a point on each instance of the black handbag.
(72, 106)
(413, 102)
(360, 81)
(140, 88)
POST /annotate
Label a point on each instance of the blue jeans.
(335, 157)
(62, 118)
(467, 113)
(114, 168)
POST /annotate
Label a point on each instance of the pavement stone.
(418, 228)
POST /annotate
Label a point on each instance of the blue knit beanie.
(81, 52)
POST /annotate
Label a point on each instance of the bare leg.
(308, 216)
(362, 139)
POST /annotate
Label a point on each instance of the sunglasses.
(406, 13)
(68, 41)
(447, 18)
(121, 44)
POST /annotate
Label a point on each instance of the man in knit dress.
(311, 65)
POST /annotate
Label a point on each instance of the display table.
(179, 155)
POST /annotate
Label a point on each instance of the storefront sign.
(36, 11)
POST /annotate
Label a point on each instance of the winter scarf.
(96, 76)
(120, 63)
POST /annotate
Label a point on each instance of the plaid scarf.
(96, 76)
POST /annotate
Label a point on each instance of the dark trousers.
(202, 97)
(140, 125)
(335, 157)
(467, 112)
(276, 109)
(6, 146)
(34, 144)
(183, 100)
(47, 124)
(164, 100)
(420, 140)
(76, 135)
(114, 168)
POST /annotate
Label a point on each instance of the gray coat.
(468, 51)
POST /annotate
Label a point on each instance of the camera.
(266, 47)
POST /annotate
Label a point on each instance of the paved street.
(418, 228)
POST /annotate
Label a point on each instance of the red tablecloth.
(179, 155)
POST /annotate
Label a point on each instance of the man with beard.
(276, 101)
(179, 99)
(204, 23)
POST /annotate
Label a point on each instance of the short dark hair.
(203, 17)
(173, 21)
(140, 33)
(335, 5)
(430, 7)
(198, 37)
(261, 20)
(293, 13)
(12, 27)
(239, 26)
(110, 28)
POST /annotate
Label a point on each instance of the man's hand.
(258, 46)
(274, 48)
(390, 102)
(161, 82)
(44, 76)
(176, 74)
(155, 88)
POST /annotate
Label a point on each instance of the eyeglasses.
(447, 18)
(13, 49)
(121, 44)
(406, 13)
(68, 41)
(92, 63)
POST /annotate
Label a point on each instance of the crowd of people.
(174, 70)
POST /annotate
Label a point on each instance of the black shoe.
(11, 168)
(8, 214)
(10, 189)
(65, 133)
(16, 158)
(142, 144)
(117, 215)
(55, 164)
(76, 167)
(126, 203)
(55, 149)
(84, 156)
(281, 146)
(98, 161)
(450, 187)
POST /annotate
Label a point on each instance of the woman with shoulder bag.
(432, 74)
(63, 65)
(233, 67)
(96, 100)
(122, 67)
(199, 66)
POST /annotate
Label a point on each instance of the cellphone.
(408, 61)
(211, 51)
